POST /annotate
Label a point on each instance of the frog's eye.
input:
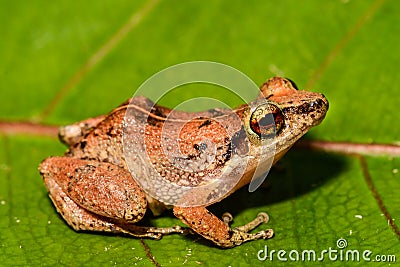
(292, 83)
(266, 120)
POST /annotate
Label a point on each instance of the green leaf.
(66, 61)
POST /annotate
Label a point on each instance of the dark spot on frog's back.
(111, 131)
(205, 123)
(201, 146)
(239, 142)
(156, 113)
(83, 144)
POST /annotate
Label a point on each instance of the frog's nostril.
(319, 103)
(316, 104)
(325, 100)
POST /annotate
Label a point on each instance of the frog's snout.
(320, 103)
(318, 108)
(325, 100)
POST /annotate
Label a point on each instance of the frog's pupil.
(264, 126)
(265, 122)
(269, 124)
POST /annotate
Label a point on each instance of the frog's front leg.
(98, 196)
(73, 133)
(209, 226)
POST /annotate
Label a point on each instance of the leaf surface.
(66, 61)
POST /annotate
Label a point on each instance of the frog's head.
(271, 125)
(283, 114)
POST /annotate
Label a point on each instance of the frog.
(93, 189)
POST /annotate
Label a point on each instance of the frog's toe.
(261, 218)
(264, 217)
(265, 234)
(227, 218)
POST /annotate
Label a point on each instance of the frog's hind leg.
(82, 220)
(62, 176)
(218, 231)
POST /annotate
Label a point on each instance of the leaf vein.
(375, 194)
(343, 42)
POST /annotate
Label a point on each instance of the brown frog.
(92, 185)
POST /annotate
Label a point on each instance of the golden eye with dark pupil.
(266, 121)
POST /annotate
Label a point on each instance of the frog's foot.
(261, 218)
(218, 231)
